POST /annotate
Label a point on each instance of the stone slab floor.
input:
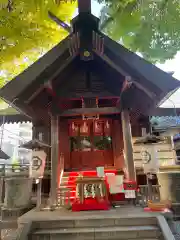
(10, 234)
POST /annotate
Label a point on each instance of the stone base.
(170, 186)
(170, 189)
(17, 192)
(176, 211)
(13, 213)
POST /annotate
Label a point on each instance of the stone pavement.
(9, 234)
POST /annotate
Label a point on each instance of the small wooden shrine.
(88, 96)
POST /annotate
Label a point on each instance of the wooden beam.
(59, 22)
(90, 111)
(57, 72)
(122, 72)
(36, 93)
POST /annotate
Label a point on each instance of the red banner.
(73, 129)
(107, 128)
(98, 128)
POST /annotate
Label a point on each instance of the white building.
(14, 135)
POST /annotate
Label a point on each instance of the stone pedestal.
(17, 192)
(170, 188)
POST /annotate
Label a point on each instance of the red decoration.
(90, 204)
(98, 128)
(73, 129)
(107, 128)
(130, 185)
(84, 129)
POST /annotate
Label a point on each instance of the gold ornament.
(87, 53)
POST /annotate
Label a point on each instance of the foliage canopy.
(27, 32)
(150, 27)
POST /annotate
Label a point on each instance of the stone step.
(67, 186)
(94, 222)
(100, 233)
(68, 183)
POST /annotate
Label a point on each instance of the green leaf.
(149, 27)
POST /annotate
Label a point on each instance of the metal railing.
(63, 194)
(61, 166)
(63, 198)
(144, 194)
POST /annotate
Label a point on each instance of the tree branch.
(59, 22)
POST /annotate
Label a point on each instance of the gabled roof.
(150, 84)
(11, 115)
(144, 73)
(166, 122)
(163, 112)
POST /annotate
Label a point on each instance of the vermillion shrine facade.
(87, 98)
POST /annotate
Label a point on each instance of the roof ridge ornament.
(84, 6)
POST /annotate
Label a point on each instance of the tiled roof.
(165, 122)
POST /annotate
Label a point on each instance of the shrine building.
(87, 97)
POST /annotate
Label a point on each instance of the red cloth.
(153, 210)
(90, 204)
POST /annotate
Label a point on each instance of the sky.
(170, 65)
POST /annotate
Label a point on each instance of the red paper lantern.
(98, 128)
(73, 129)
(84, 129)
(107, 128)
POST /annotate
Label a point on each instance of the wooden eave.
(10, 115)
(14, 119)
(64, 84)
(38, 73)
(90, 111)
(145, 74)
(162, 112)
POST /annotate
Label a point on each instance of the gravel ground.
(8, 234)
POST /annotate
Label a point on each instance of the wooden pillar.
(54, 157)
(128, 148)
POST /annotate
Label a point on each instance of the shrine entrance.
(90, 144)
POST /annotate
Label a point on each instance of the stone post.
(54, 157)
(17, 192)
(170, 189)
(128, 148)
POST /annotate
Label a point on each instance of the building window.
(90, 137)
(102, 143)
(80, 143)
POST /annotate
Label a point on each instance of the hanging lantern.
(73, 129)
(107, 128)
(98, 128)
(84, 129)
